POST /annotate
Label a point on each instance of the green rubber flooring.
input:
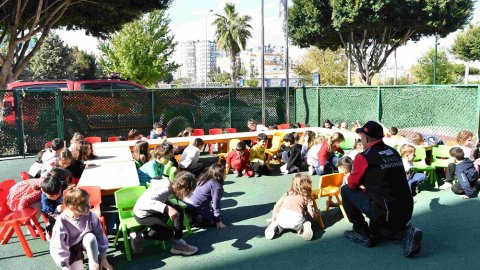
(450, 226)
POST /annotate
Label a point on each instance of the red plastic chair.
(93, 140)
(95, 201)
(48, 144)
(114, 139)
(198, 132)
(231, 130)
(24, 175)
(12, 220)
(213, 131)
(283, 126)
(302, 125)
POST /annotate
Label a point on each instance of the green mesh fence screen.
(8, 129)
(441, 111)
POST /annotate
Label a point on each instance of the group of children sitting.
(73, 228)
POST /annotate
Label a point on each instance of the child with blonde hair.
(296, 210)
(308, 142)
(326, 155)
(76, 139)
(78, 229)
(417, 139)
(407, 151)
(312, 154)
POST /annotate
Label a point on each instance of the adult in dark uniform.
(378, 188)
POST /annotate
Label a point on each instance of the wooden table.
(110, 154)
(220, 138)
(110, 176)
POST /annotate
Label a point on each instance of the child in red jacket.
(238, 160)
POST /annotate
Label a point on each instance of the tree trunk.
(233, 67)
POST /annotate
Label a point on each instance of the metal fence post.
(379, 104)
(153, 106)
(59, 113)
(18, 123)
(294, 105)
(230, 107)
(318, 108)
(478, 112)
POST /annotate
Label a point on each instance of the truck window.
(52, 86)
(96, 86)
(125, 86)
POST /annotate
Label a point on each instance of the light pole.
(206, 47)
(263, 70)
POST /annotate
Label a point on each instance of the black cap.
(371, 129)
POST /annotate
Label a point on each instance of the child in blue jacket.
(465, 172)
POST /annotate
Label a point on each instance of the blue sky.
(188, 19)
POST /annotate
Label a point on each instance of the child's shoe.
(412, 241)
(307, 233)
(311, 170)
(446, 186)
(182, 248)
(136, 241)
(237, 173)
(271, 230)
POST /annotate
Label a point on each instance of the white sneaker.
(271, 230)
(183, 248)
(136, 241)
(311, 170)
(445, 186)
(307, 233)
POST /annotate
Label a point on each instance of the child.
(465, 172)
(203, 206)
(253, 125)
(153, 209)
(407, 152)
(140, 153)
(327, 124)
(83, 151)
(394, 134)
(191, 154)
(133, 135)
(76, 139)
(78, 229)
(50, 156)
(293, 155)
(257, 156)
(158, 132)
(238, 160)
(154, 169)
(417, 139)
(36, 168)
(344, 126)
(66, 161)
(308, 141)
(326, 155)
(357, 148)
(295, 210)
(178, 150)
(465, 141)
(312, 155)
(345, 166)
(51, 198)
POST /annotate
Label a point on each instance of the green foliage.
(141, 50)
(373, 29)
(331, 65)
(466, 46)
(53, 60)
(232, 32)
(83, 66)
(446, 71)
(251, 83)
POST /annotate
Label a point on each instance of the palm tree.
(231, 35)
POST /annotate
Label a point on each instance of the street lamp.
(435, 60)
(206, 47)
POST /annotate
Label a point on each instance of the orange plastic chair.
(93, 140)
(213, 131)
(114, 139)
(276, 142)
(231, 130)
(10, 221)
(232, 145)
(95, 200)
(283, 126)
(24, 175)
(198, 132)
(329, 186)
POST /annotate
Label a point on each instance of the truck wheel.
(176, 125)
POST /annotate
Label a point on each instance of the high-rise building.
(192, 60)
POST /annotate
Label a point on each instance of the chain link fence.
(47, 114)
(440, 111)
(8, 128)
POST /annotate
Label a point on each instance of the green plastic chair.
(419, 165)
(125, 200)
(348, 143)
(170, 171)
(441, 156)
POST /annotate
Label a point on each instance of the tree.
(251, 83)
(423, 71)
(21, 21)
(466, 46)
(369, 31)
(232, 32)
(141, 50)
(84, 66)
(330, 65)
(53, 60)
